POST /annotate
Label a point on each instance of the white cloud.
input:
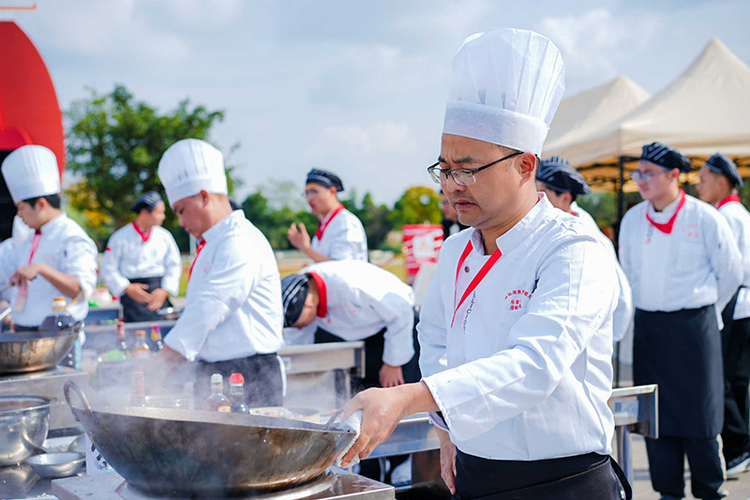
(595, 43)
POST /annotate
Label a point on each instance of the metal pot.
(174, 451)
(24, 423)
(31, 351)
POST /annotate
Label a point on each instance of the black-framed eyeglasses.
(461, 176)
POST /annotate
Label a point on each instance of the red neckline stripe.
(667, 227)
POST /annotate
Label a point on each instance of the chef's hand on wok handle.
(298, 236)
(447, 460)
(382, 410)
(391, 376)
(137, 292)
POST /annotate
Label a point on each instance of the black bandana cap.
(147, 201)
(666, 157)
(325, 179)
(556, 173)
(293, 295)
(726, 167)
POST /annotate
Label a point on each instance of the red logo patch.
(516, 296)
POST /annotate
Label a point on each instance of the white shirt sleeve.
(347, 242)
(80, 262)
(172, 267)
(8, 264)
(571, 304)
(229, 282)
(624, 311)
(724, 256)
(110, 269)
(398, 315)
(624, 248)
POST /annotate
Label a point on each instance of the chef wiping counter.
(59, 258)
(142, 263)
(340, 234)
(562, 184)
(719, 181)
(233, 317)
(684, 267)
(516, 329)
(353, 300)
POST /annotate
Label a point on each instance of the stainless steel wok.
(172, 451)
(31, 351)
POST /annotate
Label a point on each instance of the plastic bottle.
(122, 345)
(237, 393)
(141, 349)
(217, 401)
(156, 337)
(138, 391)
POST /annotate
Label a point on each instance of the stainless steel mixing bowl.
(24, 422)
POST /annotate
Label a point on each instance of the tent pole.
(620, 215)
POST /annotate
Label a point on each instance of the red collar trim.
(144, 235)
(669, 225)
(729, 199)
(322, 226)
(322, 295)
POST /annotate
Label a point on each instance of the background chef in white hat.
(232, 321)
(142, 264)
(562, 184)
(340, 234)
(59, 259)
(719, 180)
(684, 267)
(516, 329)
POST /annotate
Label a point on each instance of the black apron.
(262, 374)
(133, 311)
(590, 476)
(681, 351)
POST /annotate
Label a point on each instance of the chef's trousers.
(666, 462)
(589, 476)
(262, 374)
(735, 433)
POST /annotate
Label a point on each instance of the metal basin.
(31, 351)
(173, 451)
(24, 422)
(56, 464)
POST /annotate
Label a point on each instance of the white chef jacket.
(623, 316)
(696, 265)
(739, 221)
(63, 246)
(362, 299)
(127, 257)
(525, 372)
(233, 302)
(344, 237)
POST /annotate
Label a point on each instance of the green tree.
(114, 146)
(417, 205)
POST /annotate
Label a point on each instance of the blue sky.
(355, 87)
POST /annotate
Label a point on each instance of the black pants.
(666, 460)
(735, 433)
(262, 374)
(589, 476)
(132, 311)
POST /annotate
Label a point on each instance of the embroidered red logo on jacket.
(515, 297)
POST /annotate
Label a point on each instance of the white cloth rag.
(353, 423)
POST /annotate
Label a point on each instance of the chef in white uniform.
(516, 329)
(142, 264)
(340, 234)
(59, 259)
(351, 300)
(562, 184)
(684, 266)
(719, 180)
(232, 321)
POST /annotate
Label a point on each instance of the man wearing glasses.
(340, 234)
(516, 328)
(683, 265)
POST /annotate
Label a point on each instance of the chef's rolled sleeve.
(110, 270)
(80, 262)
(398, 315)
(172, 269)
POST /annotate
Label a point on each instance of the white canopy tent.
(704, 111)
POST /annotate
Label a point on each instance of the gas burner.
(307, 490)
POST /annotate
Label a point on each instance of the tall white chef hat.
(505, 87)
(30, 172)
(189, 166)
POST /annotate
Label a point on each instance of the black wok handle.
(84, 400)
